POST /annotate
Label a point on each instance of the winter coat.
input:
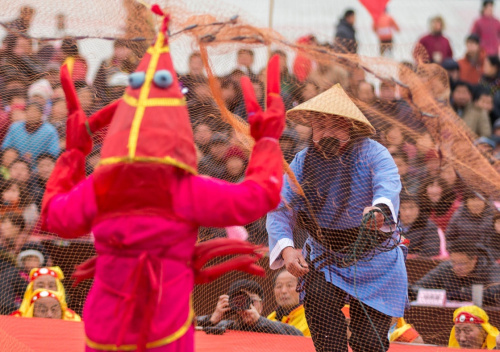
(457, 288)
(465, 226)
(424, 240)
(437, 47)
(471, 71)
(345, 37)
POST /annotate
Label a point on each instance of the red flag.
(375, 7)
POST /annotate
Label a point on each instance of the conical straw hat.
(333, 101)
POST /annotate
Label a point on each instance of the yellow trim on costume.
(70, 63)
(131, 101)
(158, 343)
(147, 159)
(143, 95)
(165, 49)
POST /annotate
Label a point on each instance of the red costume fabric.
(144, 204)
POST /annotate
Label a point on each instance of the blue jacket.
(381, 282)
(43, 140)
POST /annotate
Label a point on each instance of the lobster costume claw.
(77, 136)
(269, 123)
(247, 255)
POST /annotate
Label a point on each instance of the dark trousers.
(323, 303)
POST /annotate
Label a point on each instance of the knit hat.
(41, 88)
(473, 38)
(450, 65)
(32, 249)
(473, 315)
(335, 102)
(118, 79)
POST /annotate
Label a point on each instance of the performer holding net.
(349, 209)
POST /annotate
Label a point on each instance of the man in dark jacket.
(345, 37)
(468, 265)
(244, 301)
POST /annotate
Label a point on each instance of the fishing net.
(449, 181)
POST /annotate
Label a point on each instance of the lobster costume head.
(149, 141)
(151, 123)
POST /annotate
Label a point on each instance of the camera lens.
(239, 301)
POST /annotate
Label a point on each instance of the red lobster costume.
(144, 204)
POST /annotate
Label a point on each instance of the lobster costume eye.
(163, 79)
(136, 79)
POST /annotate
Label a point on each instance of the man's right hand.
(294, 262)
(222, 307)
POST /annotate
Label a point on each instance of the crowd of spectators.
(439, 214)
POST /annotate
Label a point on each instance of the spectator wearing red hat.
(487, 28)
(471, 65)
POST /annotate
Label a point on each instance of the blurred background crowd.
(443, 218)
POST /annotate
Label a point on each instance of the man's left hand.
(375, 225)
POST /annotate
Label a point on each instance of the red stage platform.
(40, 335)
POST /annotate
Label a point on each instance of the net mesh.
(449, 180)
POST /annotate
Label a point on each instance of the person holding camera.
(241, 309)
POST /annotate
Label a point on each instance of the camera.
(239, 301)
